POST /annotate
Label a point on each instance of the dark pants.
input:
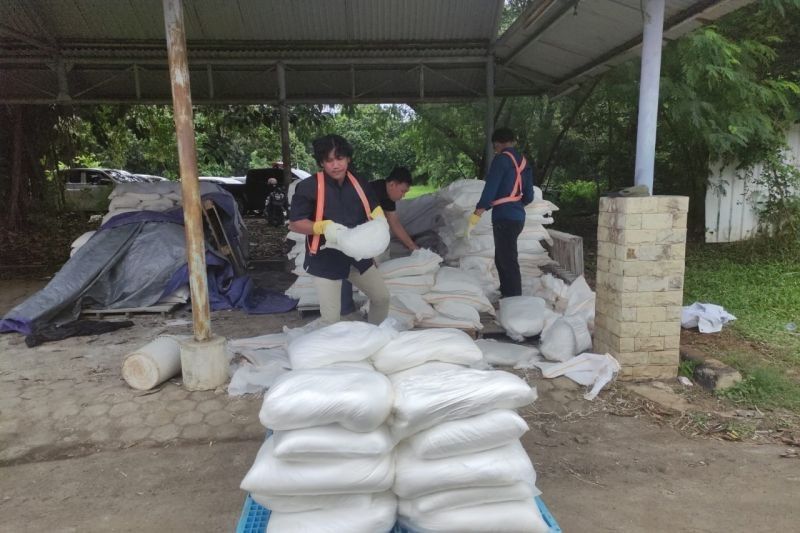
(506, 233)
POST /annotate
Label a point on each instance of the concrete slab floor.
(80, 451)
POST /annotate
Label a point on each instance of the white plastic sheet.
(359, 400)
(708, 318)
(589, 369)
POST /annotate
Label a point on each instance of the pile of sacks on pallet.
(374, 426)
(129, 197)
(474, 253)
(423, 293)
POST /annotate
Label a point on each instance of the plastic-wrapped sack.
(413, 348)
(468, 435)
(479, 301)
(565, 338)
(505, 465)
(359, 400)
(581, 301)
(410, 284)
(343, 341)
(425, 370)
(463, 193)
(296, 504)
(441, 321)
(419, 263)
(365, 241)
(271, 476)
(378, 516)
(451, 280)
(461, 312)
(331, 442)
(524, 316)
(507, 354)
(422, 401)
(469, 497)
(521, 516)
(413, 304)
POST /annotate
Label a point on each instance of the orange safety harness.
(314, 246)
(516, 191)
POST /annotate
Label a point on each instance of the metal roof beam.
(476, 60)
(536, 16)
(27, 39)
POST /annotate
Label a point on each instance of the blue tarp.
(134, 260)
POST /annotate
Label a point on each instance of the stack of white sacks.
(419, 437)
(475, 254)
(423, 293)
(127, 197)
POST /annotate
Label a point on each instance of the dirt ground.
(83, 452)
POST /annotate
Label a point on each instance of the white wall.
(732, 198)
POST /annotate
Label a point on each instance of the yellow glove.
(320, 225)
(377, 212)
(473, 221)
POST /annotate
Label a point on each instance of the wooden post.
(187, 156)
(286, 151)
(15, 199)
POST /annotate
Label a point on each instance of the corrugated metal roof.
(334, 50)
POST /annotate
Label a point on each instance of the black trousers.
(506, 233)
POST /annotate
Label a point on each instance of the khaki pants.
(370, 282)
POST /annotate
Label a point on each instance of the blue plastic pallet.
(255, 518)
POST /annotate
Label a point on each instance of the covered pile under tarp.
(134, 260)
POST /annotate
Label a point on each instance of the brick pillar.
(641, 248)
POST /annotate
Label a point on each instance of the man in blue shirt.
(508, 189)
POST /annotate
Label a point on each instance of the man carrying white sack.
(508, 189)
(322, 208)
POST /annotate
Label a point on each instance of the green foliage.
(779, 209)
(686, 368)
(578, 196)
(418, 190)
(757, 283)
(378, 134)
(765, 387)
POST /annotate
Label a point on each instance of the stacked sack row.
(373, 426)
(329, 463)
(129, 197)
(427, 295)
(562, 315)
(475, 253)
(423, 294)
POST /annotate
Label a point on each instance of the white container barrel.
(153, 364)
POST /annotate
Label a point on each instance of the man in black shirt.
(390, 191)
(346, 201)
